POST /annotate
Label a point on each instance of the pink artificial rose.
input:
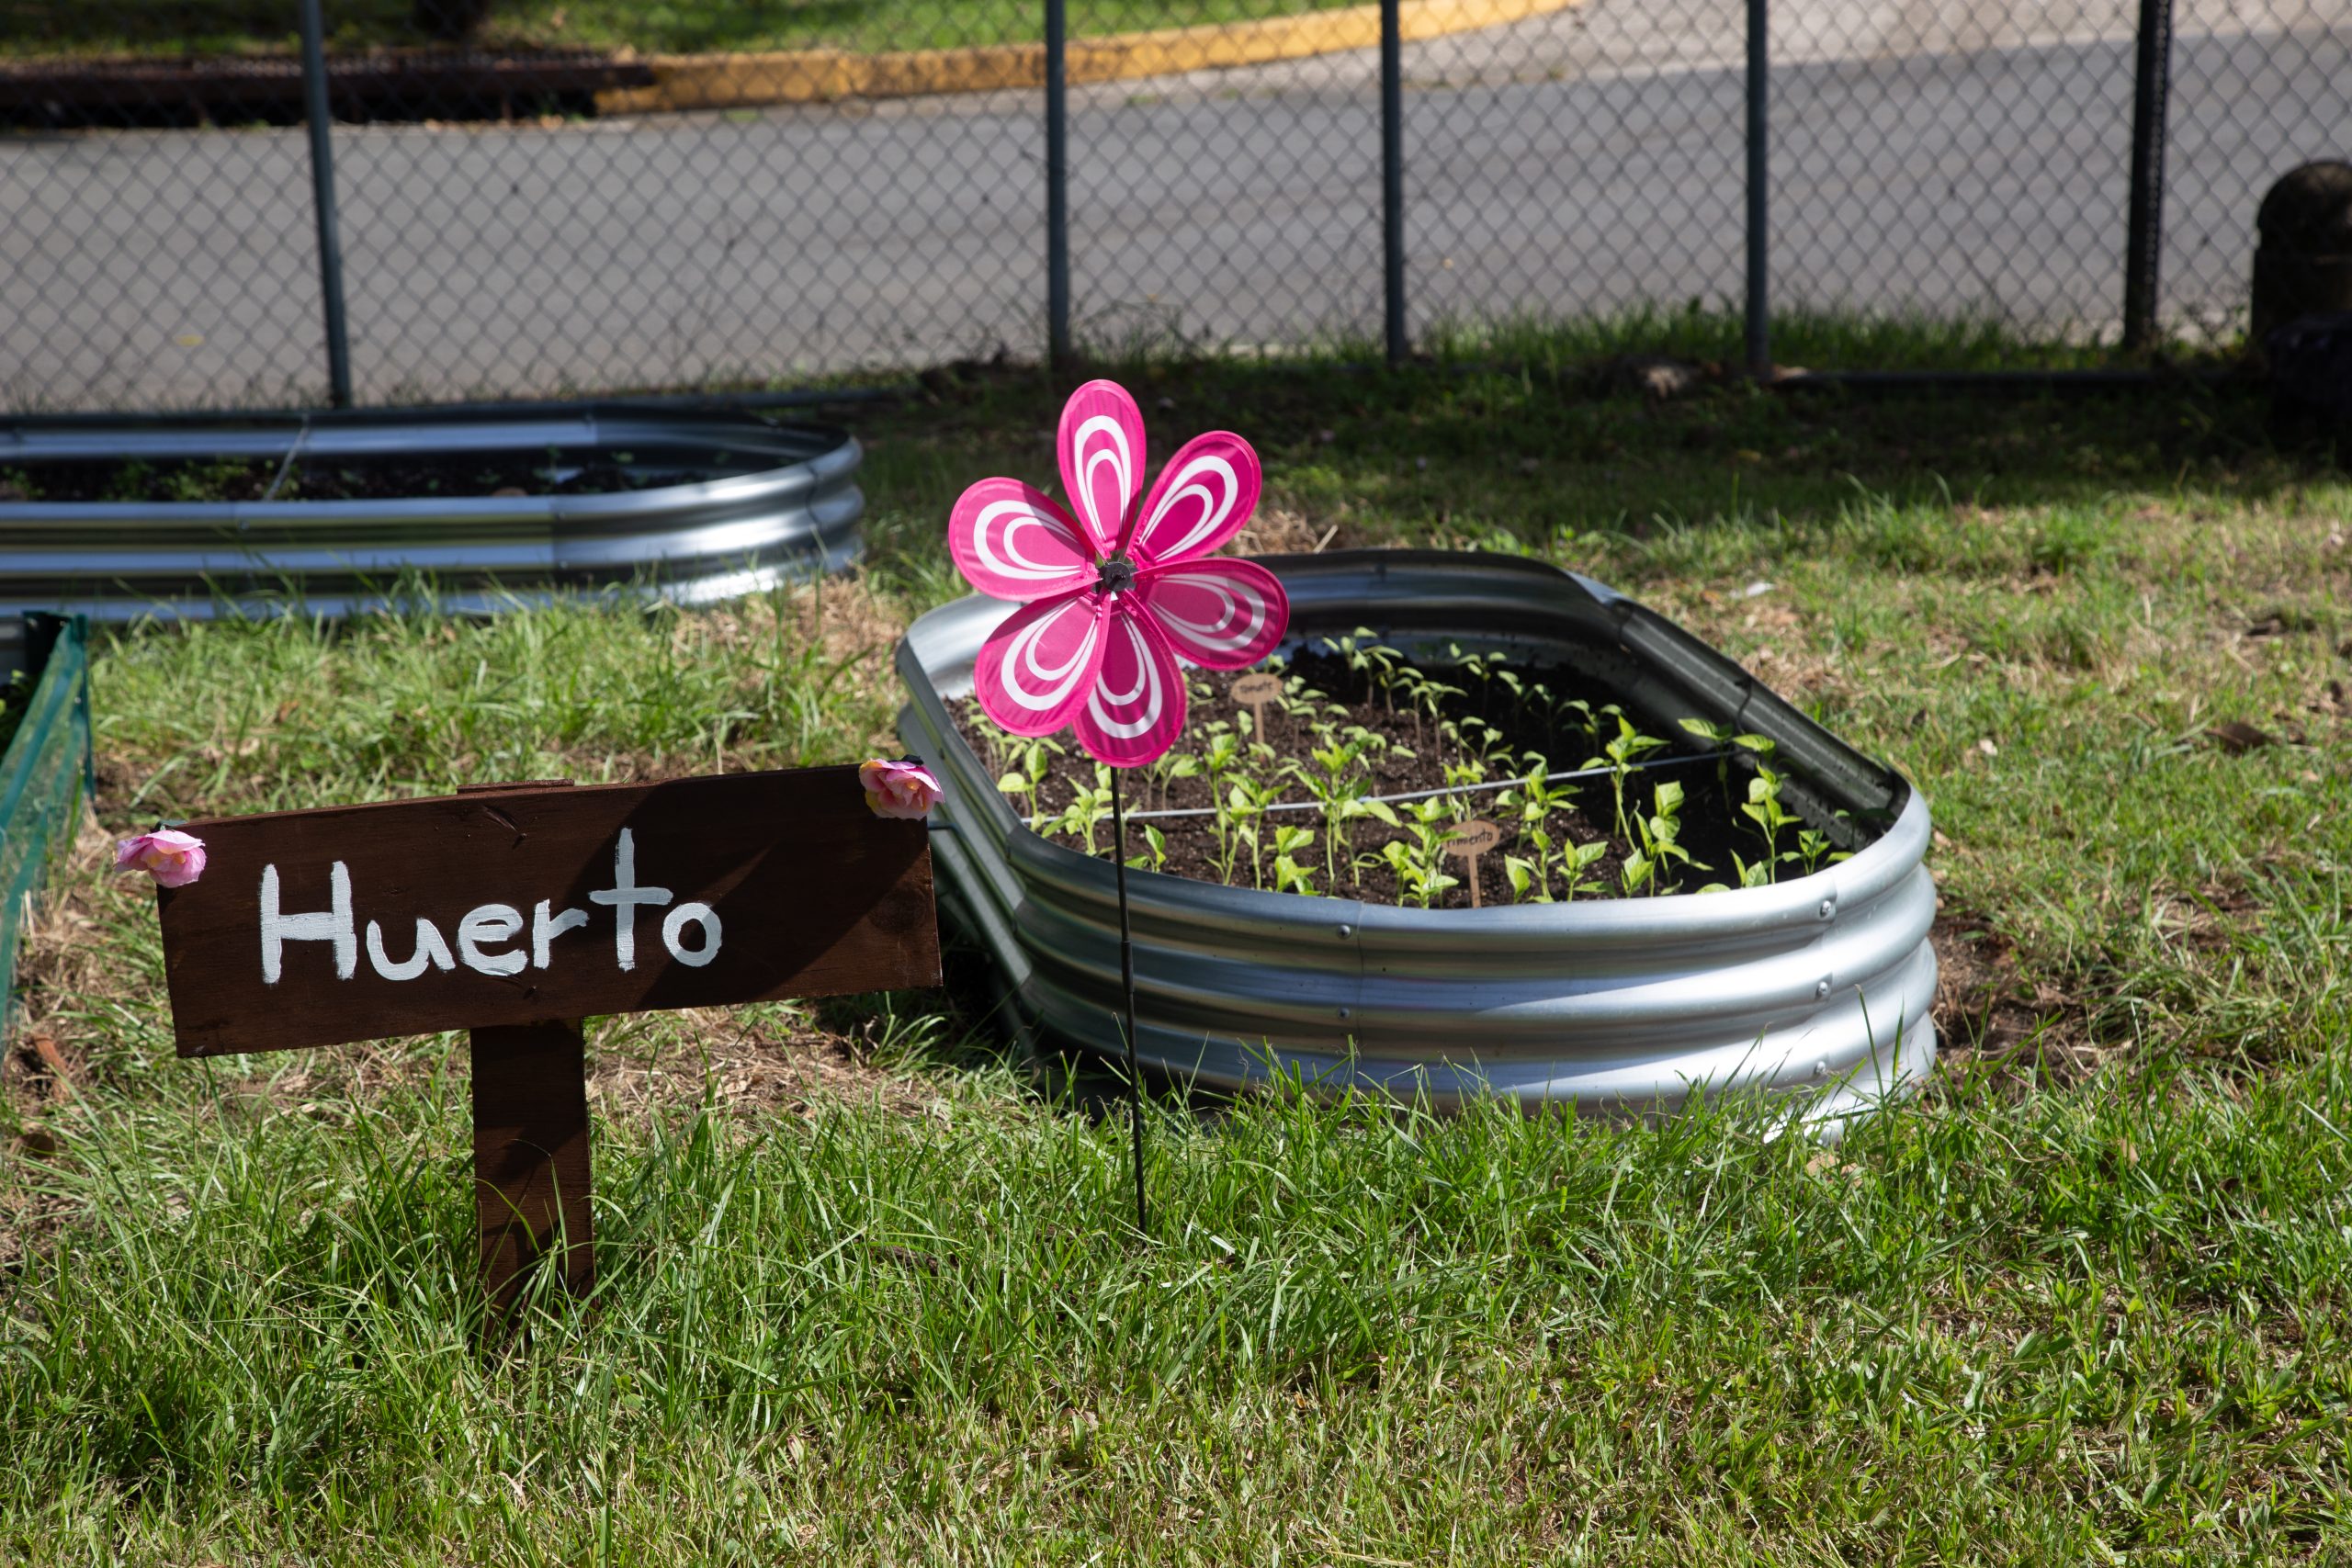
(898, 789)
(173, 858)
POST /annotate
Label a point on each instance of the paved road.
(1586, 161)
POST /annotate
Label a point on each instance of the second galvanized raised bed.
(1820, 984)
(480, 512)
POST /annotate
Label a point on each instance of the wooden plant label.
(515, 911)
(1254, 692)
(1467, 843)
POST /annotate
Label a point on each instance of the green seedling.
(1750, 874)
(1418, 861)
(1088, 807)
(1763, 807)
(1299, 701)
(1539, 797)
(1724, 738)
(1427, 696)
(1530, 876)
(1339, 786)
(1576, 713)
(1372, 660)
(1488, 669)
(1032, 761)
(1416, 878)
(1245, 808)
(1220, 755)
(1431, 822)
(1535, 801)
(1530, 881)
(1290, 876)
(1155, 850)
(1475, 734)
(1627, 748)
(991, 744)
(1174, 765)
(1814, 847)
(1661, 840)
(1468, 771)
(1576, 860)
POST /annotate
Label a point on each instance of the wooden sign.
(1254, 692)
(1467, 843)
(517, 911)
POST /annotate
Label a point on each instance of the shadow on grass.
(1518, 437)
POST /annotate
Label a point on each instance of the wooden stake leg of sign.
(531, 1156)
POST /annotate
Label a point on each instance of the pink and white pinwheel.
(1116, 596)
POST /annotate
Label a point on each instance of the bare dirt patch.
(1991, 1015)
(747, 1063)
(1278, 531)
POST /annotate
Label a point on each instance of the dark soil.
(1712, 826)
(475, 474)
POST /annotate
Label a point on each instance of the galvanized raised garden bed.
(714, 505)
(44, 769)
(1821, 983)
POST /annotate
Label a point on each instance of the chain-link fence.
(542, 198)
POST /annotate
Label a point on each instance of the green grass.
(864, 1296)
(249, 27)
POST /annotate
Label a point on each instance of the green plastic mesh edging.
(43, 774)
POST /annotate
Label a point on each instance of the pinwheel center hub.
(1116, 575)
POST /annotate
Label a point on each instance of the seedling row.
(1296, 792)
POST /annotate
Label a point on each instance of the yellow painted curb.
(822, 76)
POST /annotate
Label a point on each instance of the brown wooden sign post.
(517, 911)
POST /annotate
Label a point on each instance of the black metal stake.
(1392, 175)
(2144, 243)
(1127, 983)
(1056, 180)
(314, 108)
(1759, 73)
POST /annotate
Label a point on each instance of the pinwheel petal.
(1101, 454)
(1014, 541)
(1202, 499)
(1221, 615)
(1037, 669)
(1137, 708)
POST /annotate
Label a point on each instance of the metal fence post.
(1760, 343)
(314, 105)
(2144, 240)
(1392, 176)
(1057, 180)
